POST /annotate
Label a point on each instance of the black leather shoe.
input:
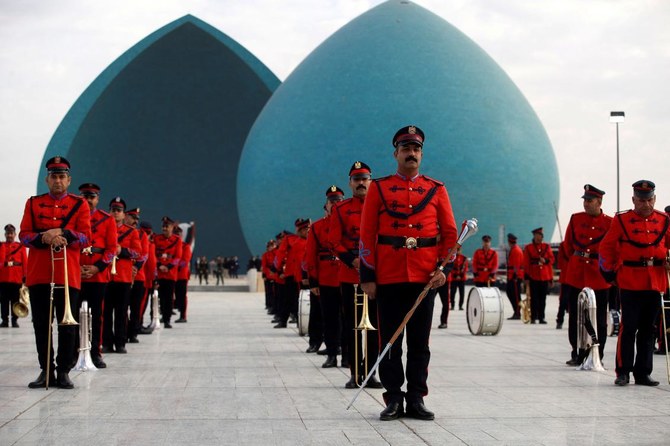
(442, 326)
(312, 349)
(4, 324)
(622, 379)
(572, 362)
(322, 352)
(418, 410)
(645, 381)
(181, 320)
(167, 325)
(393, 411)
(146, 330)
(344, 363)
(559, 325)
(15, 324)
(373, 383)
(98, 362)
(543, 322)
(660, 351)
(63, 381)
(107, 349)
(331, 361)
(280, 325)
(41, 380)
(133, 340)
(121, 349)
(351, 384)
(532, 321)
(514, 318)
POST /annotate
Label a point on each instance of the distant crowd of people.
(220, 267)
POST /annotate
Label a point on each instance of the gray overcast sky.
(575, 61)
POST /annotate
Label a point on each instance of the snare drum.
(303, 312)
(485, 311)
(613, 319)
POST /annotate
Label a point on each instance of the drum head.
(303, 312)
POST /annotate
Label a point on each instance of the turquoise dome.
(395, 65)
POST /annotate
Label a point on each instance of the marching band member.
(633, 253)
(455, 282)
(95, 261)
(12, 274)
(514, 275)
(183, 274)
(323, 269)
(51, 221)
(168, 254)
(117, 298)
(149, 271)
(538, 261)
(266, 262)
(485, 264)
(343, 238)
(581, 246)
(406, 228)
(280, 283)
(137, 289)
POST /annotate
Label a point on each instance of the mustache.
(411, 158)
(360, 186)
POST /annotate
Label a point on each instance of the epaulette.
(41, 195)
(77, 197)
(623, 212)
(383, 178)
(439, 183)
(342, 203)
(107, 214)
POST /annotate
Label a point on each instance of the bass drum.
(485, 311)
(303, 312)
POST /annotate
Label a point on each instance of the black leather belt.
(407, 242)
(644, 262)
(92, 250)
(13, 263)
(327, 257)
(586, 255)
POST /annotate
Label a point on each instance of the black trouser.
(269, 295)
(315, 327)
(639, 310)
(353, 314)
(9, 295)
(331, 310)
(513, 290)
(564, 303)
(662, 335)
(94, 294)
(181, 297)
(39, 305)
(115, 310)
(165, 296)
(538, 298)
(446, 297)
(601, 314)
(136, 296)
(460, 286)
(290, 293)
(394, 301)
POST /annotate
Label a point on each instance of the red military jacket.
(44, 212)
(14, 259)
(398, 206)
(538, 261)
(484, 265)
(149, 267)
(344, 236)
(322, 266)
(141, 260)
(582, 242)
(184, 271)
(266, 264)
(634, 241)
(515, 263)
(102, 246)
(168, 253)
(459, 270)
(290, 256)
(131, 249)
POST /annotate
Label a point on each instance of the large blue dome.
(395, 65)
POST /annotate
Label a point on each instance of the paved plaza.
(228, 378)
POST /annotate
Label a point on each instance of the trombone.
(67, 319)
(362, 326)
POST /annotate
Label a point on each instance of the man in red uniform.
(564, 292)
(634, 254)
(117, 298)
(52, 222)
(407, 227)
(149, 271)
(137, 289)
(581, 246)
(538, 261)
(343, 238)
(168, 255)
(289, 258)
(485, 264)
(323, 269)
(95, 261)
(183, 274)
(281, 299)
(268, 276)
(12, 274)
(514, 275)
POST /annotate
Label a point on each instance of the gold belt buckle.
(411, 243)
(650, 261)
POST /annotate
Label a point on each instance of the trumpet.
(362, 326)
(84, 361)
(22, 307)
(589, 355)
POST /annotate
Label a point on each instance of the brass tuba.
(362, 326)
(22, 307)
(587, 341)
(524, 306)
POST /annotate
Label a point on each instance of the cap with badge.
(408, 135)
(10, 228)
(591, 191)
(334, 193)
(89, 190)
(117, 203)
(644, 189)
(486, 238)
(301, 223)
(167, 221)
(538, 231)
(360, 170)
(146, 226)
(58, 164)
(135, 212)
(511, 237)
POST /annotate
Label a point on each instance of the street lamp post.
(617, 117)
